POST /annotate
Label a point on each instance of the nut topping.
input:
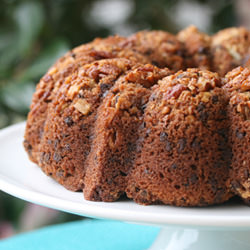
(82, 106)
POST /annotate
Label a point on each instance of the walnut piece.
(245, 194)
(166, 110)
(73, 91)
(206, 96)
(52, 70)
(82, 106)
(244, 110)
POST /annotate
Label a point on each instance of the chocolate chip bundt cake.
(150, 116)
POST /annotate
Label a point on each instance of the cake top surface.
(193, 80)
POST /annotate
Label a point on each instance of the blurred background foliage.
(33, 34)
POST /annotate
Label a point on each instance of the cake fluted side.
(183, 156)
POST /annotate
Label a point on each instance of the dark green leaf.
(4, 119)
(8, 56)
(39, 67)
(17, 95)
(29, 18)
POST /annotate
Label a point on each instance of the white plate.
(21, 178)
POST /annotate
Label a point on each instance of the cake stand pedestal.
(224, 227)
(184, 238)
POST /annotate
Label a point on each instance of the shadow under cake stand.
(218, 227)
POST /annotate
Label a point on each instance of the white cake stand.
(214, 228)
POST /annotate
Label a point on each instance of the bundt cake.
(150, 116)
